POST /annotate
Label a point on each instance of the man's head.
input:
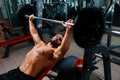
(56, 40)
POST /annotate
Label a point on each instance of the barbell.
(51, 20)
(88, 27)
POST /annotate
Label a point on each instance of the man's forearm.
(32, 28)
(66, 40)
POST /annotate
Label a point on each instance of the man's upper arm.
(63, 48)
(36, 38)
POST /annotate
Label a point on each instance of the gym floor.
(18, 52)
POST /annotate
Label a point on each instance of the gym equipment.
(26, 9)
(55, 11)
(89, 61)
(79, 64)
(39, 12)
(112, 20)
(9, 43)
(88, 18)
(89, 27)
(66, 68)
(7, 30)
(22, 21)
(95, 25)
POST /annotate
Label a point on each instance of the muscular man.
(42, 55)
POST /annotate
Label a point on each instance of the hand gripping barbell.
(88, 27)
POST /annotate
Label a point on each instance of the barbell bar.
(112, 32)
(50, 20)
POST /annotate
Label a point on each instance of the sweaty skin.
(42, 55)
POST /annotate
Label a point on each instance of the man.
(42, 55)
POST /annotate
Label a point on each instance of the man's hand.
(31, 18)
(66, 25)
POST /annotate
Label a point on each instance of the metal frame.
(89, 58)
(109, 23)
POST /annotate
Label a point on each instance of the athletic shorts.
(15, 74)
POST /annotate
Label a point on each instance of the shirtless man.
(42, 55)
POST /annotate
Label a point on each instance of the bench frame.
(8, 44)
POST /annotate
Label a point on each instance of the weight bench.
(8, 44)
(66, 66)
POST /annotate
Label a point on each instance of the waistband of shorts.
(28, 76)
